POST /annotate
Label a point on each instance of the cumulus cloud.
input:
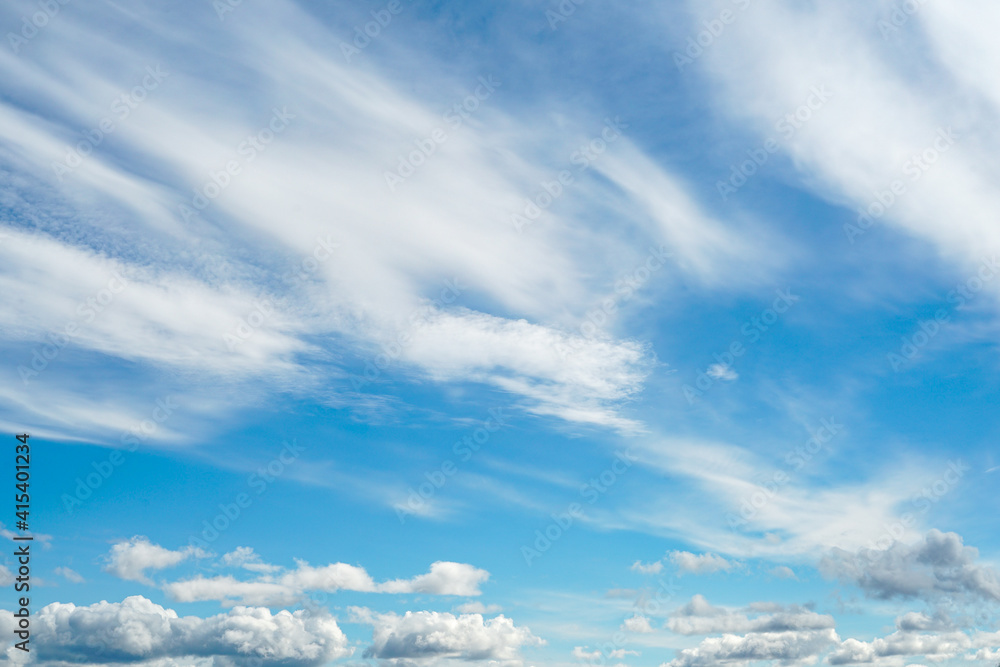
(786, 647)
(638, 623)
(436, 635)
(130, 559)
(698, 617)
(138, 630)
(445, 578)
(699, 563)
(935, 647)
(287, 587)
(937, 564)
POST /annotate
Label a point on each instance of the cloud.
(6, 577)
(246, 558)
(137, 630)
(722, 372)
(581, 653)
(281, 588)
(937, 564)
(850, 151)
(699, 563)
(785, 647)
(638, 623)
(477, 607)
(698, 617)
(129, 560)
(195, 280)
(69, 575)
(936, 647)
(426, 635)
(647, 568)
(783, 572)
(445, 578)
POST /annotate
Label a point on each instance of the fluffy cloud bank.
(137, 629)
(937, 564)
(435, 635)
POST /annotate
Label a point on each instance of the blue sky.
(425, 334)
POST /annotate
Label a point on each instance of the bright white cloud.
(248, 559)
(699, 563)
(130, 559)
(286, 587)
(638, 624)
(787, 647)
(429, 635)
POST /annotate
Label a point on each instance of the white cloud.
(69, 575)
(429, 635)
(444, 579)
(783, 572)
(647, 568)
(638, 623)
(129, 560)
(246, 558)
(6, 578)
(282, 588)
(137, 630)
(477, 607)
(787, 647)
(700, 618)
(699, 563)
(581, 653)
(722, 372)
(192, 282)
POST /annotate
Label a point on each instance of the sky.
(439, 334)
